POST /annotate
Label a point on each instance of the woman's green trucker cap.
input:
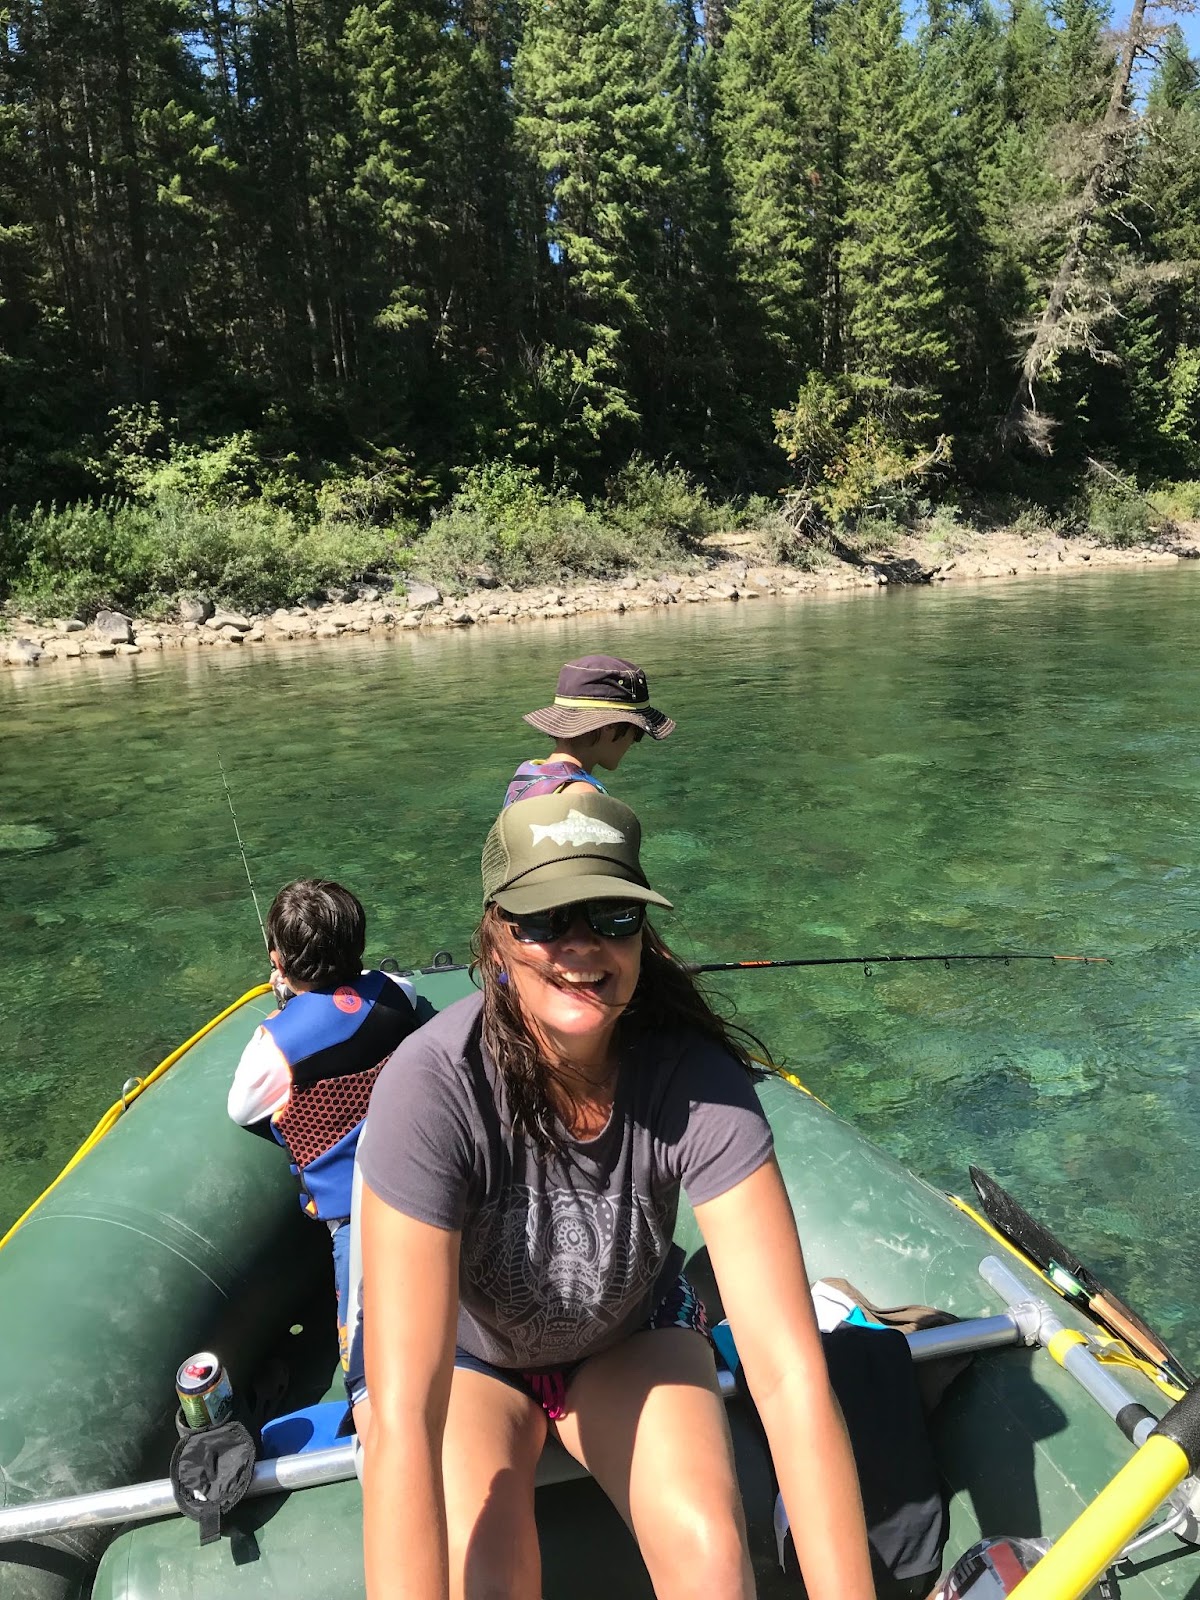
(557, 849)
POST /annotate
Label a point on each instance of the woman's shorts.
(680, 1307)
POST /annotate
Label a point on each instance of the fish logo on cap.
(577, 830)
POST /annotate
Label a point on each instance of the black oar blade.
(1011, 1219)
(1015, 1223)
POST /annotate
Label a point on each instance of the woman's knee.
(490, 1450)
(492, 1543)
(694, 1551)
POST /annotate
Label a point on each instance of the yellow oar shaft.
(1071, 1567)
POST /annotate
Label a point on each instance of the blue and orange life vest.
(334, 1041)
(534, 778)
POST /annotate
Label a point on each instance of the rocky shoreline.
(733, 572)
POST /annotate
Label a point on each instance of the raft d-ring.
(868, 970)
(444, 958)
(130, 1086)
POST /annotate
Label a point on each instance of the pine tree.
(602, 110)
(894, 233)
(1176, 83)
(962, 65)
(1029, 53)
(1081, 63)
(772, 136)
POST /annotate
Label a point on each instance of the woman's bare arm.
(410, 1312)
(751, 1237)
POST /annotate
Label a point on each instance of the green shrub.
(1117, 517)
(385, 490)
(1179, 501)
(138, 557)
(661, 507)
(81, 557)
(876, 532)
(784, 545)
(941, 525)
(506, 520)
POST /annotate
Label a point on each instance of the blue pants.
(339, 1238)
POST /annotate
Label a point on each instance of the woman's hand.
(751, 1237)
(410, 1301)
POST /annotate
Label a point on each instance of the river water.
(1005, 767)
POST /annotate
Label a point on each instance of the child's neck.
(566, 750)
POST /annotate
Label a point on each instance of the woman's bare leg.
(494, 1436)
(648, 1422)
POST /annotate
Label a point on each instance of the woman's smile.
(574, 989)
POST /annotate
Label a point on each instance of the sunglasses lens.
(616, 921)
(610, 919)
(537, 927)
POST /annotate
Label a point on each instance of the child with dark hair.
(306, 1076)
(601, 710)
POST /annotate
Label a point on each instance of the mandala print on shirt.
(561, 1267)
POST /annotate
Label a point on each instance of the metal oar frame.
(143, 1501)
(1159, 1475)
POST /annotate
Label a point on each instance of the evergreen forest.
(350, 279)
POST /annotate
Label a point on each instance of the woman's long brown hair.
(667, 999)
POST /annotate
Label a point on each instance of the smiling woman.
(522, 1164)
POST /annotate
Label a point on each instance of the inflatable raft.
(176, 1232)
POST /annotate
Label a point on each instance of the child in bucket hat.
(601, 708)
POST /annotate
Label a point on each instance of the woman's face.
(575, 1005)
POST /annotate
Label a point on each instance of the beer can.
(205, 1392)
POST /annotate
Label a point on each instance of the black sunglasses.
(610, 919)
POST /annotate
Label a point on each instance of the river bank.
(731, 568)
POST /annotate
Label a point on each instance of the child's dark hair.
(319, 930)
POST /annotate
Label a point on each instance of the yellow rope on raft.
(788, 1077)
(1105, 1347)
(115, 1112)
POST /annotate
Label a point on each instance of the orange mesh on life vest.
(319, 1114)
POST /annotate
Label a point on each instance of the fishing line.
(443, 963)
(868, 962)
(242, 848)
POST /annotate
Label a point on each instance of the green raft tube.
(176, 1232)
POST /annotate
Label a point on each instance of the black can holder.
(211, 1469)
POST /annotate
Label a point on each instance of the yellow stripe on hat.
(599, 705)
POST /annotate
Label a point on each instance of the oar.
(866, 962)
(1167, 1452)
(141, 1501)
(1070, 1276)
(1101, 1533)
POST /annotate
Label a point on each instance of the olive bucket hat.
(560, 848)
(596, 691)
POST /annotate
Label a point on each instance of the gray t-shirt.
(561, 1257)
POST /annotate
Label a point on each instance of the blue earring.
(502, 976)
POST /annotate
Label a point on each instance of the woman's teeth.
(589, 978)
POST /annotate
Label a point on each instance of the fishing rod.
(867, 962)
(242, 848)
(442, 962)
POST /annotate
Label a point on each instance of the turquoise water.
(1011, 766)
